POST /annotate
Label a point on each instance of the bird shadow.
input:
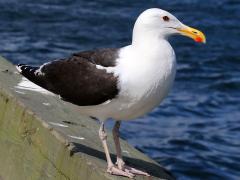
(151, 168)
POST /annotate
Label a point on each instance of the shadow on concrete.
(151, 168)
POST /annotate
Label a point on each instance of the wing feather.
(77, 79)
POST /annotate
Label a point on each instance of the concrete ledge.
(42, 137)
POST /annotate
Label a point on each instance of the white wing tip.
(18, 67)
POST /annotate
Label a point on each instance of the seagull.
(118, 83)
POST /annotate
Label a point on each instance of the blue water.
(195, 132)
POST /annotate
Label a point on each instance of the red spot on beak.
(198, 39)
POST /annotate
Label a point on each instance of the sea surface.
(195, 132)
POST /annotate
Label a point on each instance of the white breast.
(145, 79)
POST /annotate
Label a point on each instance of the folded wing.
(78, 79)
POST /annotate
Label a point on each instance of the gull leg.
(120, 163)
(110, 166)
(115, 131)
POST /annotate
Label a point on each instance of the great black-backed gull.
(123, 83)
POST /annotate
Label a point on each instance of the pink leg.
(120, 163)
(110, 166)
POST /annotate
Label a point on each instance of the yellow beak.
(195, 34)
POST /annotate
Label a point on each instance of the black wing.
(103, 57)
(77, 79)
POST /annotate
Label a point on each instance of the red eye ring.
(165, 18)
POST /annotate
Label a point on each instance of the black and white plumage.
(91, 87)
(122, 83)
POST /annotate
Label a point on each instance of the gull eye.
(166, 18)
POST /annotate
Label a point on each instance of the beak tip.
(204, 41)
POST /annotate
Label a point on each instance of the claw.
(115, 171)
(135, 171)
(121, 165)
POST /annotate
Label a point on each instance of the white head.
(156, 23)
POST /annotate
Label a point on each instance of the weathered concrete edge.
(59, 140)
(28, 122)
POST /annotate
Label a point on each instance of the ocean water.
(195, 132)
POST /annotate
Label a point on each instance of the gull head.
(156, 23)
